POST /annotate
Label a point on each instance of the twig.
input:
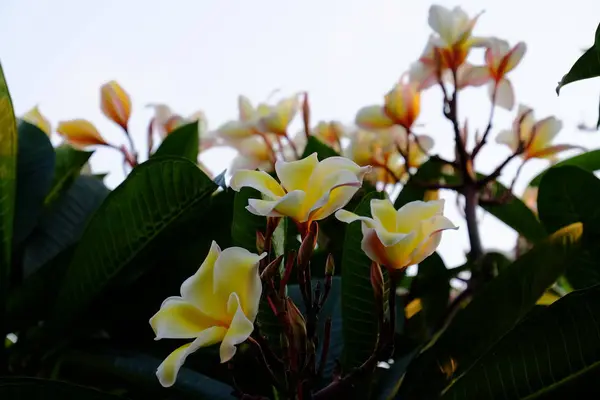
(488, 128)
(325, 348)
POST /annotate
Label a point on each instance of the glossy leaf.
(587, 66)
(182, 142)
(35, 169)
(589, 161)
(63, 222)
(493, 312)
(553, 354)
(360, 324)
(566, 195)
(45, 389)
(69, 162)
(8, 172)
(129, 229)
(314, 145)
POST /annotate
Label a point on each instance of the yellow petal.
(290, 205)
(373, 117)
(391, 250)
(349, 217)
(294, 175)
(115, 103)
(279, 118)
(410, 215)
(169, 368)
(402, 104)
(505, 94)
(515, 56)
(547, 298)
(551, 151)
(243, 265)
(35, 117)
(234, 130)
(179, 319)
(384, 212)
(80, 132)
(412, 308)
(240, 329)
(430, 235)
(544, 132)
(258, 180)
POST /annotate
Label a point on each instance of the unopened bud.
(377, 280)
(260, 242)
(308, 244)
(272, 269)
(115, 103)
(297, 324)
(330, 265)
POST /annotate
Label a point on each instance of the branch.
(488, 128)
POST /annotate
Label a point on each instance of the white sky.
(202, 54)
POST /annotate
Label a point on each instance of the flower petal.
(179, 319)
(258, 180)
(294, 175)
(243, 265)
(168, 369)
(240, 329)
(246, 109)
(544, 132)
(469, 75)
(291, 205)
(80, 132)
(234, 130)
(349, 217)
(384, 212)
(115, 103)
(440, 20)
(35, 117)
(423, 74)
(410, 215)
(515, 56)
(509, 138)
(505, 95)
(387, 249)
(551, 151)
(431, 235)
(198, 288)
(373, 117)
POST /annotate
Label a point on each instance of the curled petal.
(349, 217)
(240, 329)
(410, 215)
(294, 175)
(544, 132)
(430, 235)
(505, 95)
(338, 196)
(392, 252)
(384, 212)
(169, 368)
(290, 205)
(373, 117)
(178, 319)
(35, 117)
(258, 180)
(80, 132)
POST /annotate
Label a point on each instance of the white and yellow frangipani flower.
(500, 59)
(536, 136)
(280, 116)
(35, 117)
(399, 239)
(219, 303)
(115, 103)
(80, 133)
(253, 153)
(330, 133)
(401, 107)
(309, 191)
(448, 48)
(246, 125)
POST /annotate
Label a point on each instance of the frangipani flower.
(165, 120)
(35, 117)
(218, 303)
(279, 117)
(245, 127)
(309, 191)
(468, 75)
(80, 133)
(115, 103)
(536, 136)
(399, 239)
(330, 133)
(401, 107)
(500, 59)
(253, 153)
(449, 48)
(415, 147)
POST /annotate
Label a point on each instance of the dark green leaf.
(139, 370)
(69, 162)
(8, 173)
(44, 389)
(589, 161)
(129, 228)
(314, 145)
(493, 312)
(182, 142)
(360, 325)
(245, 224)
(566, 195)
(553, 354)
(430, 172)
(587, 66)
(35, 168)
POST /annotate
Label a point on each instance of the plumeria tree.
(285, 276)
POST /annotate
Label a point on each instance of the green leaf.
(314, 145)
(360, 325)
(8, 171)
(182, 142)
(35, 166)
(566, 195)
(129, 229)
(429, 172)
(553, 354)
(69, 162)
(139, 370)
(45, 389)
(587, 66)
(493, 312)
(589, 161)
(63, 222)
(245, 224)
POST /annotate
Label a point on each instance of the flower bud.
(297, 324)
(377, 281)
(35, 117)
(80, 133)
(115, 103)
(260, 242)
(330, 265)
(308, 244)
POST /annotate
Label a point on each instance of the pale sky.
(346, 53)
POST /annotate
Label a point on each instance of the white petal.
(505, 95)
